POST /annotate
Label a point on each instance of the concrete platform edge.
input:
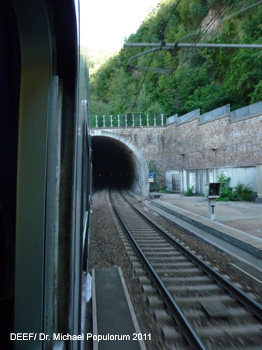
(133, 315)
(178, 212)
(130, 307)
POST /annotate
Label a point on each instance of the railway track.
(195, 306)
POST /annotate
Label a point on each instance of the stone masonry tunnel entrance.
(118, 164)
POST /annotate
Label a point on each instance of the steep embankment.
(185, 79)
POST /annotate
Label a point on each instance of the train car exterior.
(45, 176)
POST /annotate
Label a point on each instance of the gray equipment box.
(214, 190)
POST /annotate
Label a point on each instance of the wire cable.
(163, 41)
(203, 32)
(240, 11)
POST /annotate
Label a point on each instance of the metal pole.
(170, 46)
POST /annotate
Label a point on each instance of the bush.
(152, 167)
(240, 193)
(226, 190)
(190, 191)
(164, 190)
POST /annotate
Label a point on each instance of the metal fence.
(139, 120)
(127, 120)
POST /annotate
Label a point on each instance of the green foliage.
(164, 190)
(256, 95)
(190, 191)
(197, 78)
(226, 190)
(240, 193)
(152, 167)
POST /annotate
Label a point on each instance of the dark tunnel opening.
(113, 165)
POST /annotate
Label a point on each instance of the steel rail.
(232, 289)
(184, 325)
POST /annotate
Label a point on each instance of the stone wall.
(217, 143)
(201, 148)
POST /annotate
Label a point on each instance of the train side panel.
(53, 190)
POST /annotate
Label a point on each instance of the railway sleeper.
(187, 280)
(180, 272)
(168, 259)
(144, 280)
(163, 255)
(191, 301)
(139, 271)
(155, 302)
(170, 334)
(136, 264)
(150, 240)
(154, 245)
(229, 331)
(148, 289)
(249, 347)
(141, 228)
(237, 313)
(175, 265)
(134, 260)
(161, 316)
(132, 256)
(169, 250)
(200, 289)
(128, 249)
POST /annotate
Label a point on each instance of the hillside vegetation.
(185, 79)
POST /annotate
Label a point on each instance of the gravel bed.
(106, 250)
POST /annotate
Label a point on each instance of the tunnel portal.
(117, 164)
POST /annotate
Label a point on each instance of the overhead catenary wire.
(240, 11)
(222, 19)
(170, 46)
(144, 78)
(162, 34)
(204, 31)
(162, 45)
(166, 24)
